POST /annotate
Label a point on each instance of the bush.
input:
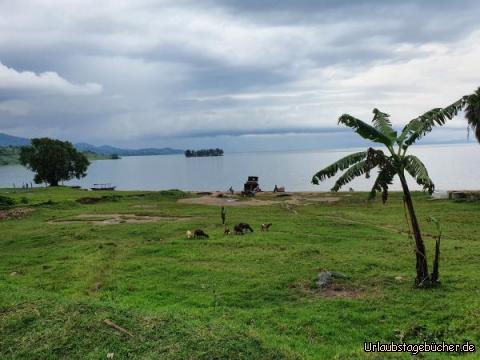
(6, 201)
(24, 200)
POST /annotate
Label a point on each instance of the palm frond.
(364, 130)
(354, 171)
(384, 179)
(373, 159)
(382, 123)
(418, 171)
(337, 166)
(423, 124)
(472, 112)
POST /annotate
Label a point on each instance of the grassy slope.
(229, 297)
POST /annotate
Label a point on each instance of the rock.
(398, 278)
(324, 277)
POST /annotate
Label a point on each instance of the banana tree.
(395, 162)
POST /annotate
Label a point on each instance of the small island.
(204, 152)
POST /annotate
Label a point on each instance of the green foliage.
(472, 112)
(339, 165)
(382, 123)
(418, 171)
(422, 125)
(6, 201)
(204, 152)
(354, 171)
(9, 155)
(53, 161)
(385, 177)
(364, 130)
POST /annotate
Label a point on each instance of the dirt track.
(292, 199)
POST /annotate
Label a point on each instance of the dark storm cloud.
(131, 72)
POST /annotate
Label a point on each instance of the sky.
(241, 75)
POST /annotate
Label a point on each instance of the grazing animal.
(199, 233)
(226, 231)
(265, 227)
(238, 230)
(189, 234)
(241, 228)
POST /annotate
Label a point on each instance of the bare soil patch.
(145, 206)
(114, 219)
(333, 290)
(225, 201)
(328, 199)
(17, 213)
(340, 291)
(222, 199)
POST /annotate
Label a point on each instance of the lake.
(450, 167)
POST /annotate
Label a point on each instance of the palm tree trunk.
(422, 279)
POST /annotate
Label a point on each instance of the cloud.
(15, 107)
(46, 82)
(178, 69)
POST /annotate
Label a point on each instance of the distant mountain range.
(110, 150)
(9, 140)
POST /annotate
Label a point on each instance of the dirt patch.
(308, 199)
(145, 206)
(222, 199)
(340, 291)
(17, 213)
(94, 200)
(328, 199)
(114, 219)
(225, 201)
(333, 290)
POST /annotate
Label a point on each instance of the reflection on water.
(450, 167)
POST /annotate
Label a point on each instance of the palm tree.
(396, 162)
(472, 113)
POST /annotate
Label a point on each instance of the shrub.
(6, 201)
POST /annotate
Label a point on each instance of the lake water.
(450, 167)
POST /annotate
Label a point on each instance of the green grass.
(229, 297)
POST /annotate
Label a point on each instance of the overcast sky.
(243, 74)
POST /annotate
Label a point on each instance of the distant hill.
(106, 150)
(110, 150)
(9, 140)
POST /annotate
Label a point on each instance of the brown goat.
(265, 227)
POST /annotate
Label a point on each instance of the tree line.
(204, 152)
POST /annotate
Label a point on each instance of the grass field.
(65, 267)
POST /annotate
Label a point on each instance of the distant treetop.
(204, 152)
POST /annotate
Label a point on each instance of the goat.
(226, 231)
(241, 228)
(189, 234)
(199, 233)
(265, 227)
